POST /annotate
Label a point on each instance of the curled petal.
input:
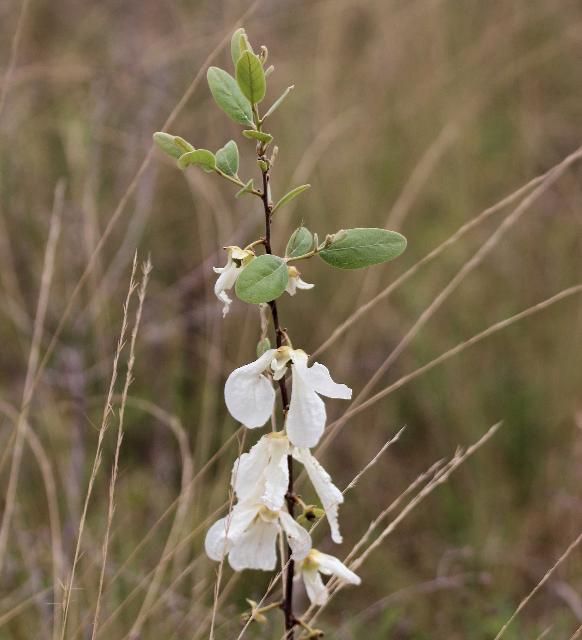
(330, 496)
(249, 395)
(298, 538)
(226, 279)
(223, 297)
(316, 590)
(320, 379)
(329, 565)
(294, 283)
(256, 548)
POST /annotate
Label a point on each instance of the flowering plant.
(263, 479)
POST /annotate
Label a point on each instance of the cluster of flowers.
(260, 478)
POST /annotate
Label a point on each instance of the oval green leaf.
(290, 196)
(184, 144)
(228, 96)
(235, 42)
(250, 76)
(227, 158)
(199, 158)
(279, 101)
(300, 243)
(261, 136)
(262, 280)
(358, 248)
(172, 145)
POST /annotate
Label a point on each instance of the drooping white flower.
(262, 474)
(317, 563)
(295, 282)
(237, 259)
(248, 535)
(250, 397)
(329, 495)
(306, 416)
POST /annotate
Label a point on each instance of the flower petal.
(316, 590)
(249, 395)
(276, 476)
(226, 279)
(320, 379)
(306, 417)
(291, 287)
(298, 538)
(216, 544)
(301, 284)
(280, 361)
(329, 565)
(331, 497)
(226, 303)
(226, 531)
(248, 470)
(256, 548)
(262, 474)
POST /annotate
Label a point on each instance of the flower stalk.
(280, 338)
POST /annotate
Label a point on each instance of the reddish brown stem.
(287, 605)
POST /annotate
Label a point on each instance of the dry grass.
(413, 115)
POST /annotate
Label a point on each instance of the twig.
(146, 269)
(540, 584)
(32, 366)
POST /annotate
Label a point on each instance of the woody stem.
(280, 338)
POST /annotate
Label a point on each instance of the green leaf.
(235, 42)
(300, 243)
(250, 76)
(261, 136)
(262, 280)
(357, 248)
(248, 188)
(183, 144)
(200, 158)
(229, 97)
(278, 101)
(289, 196)
(172, 145)
(227, 158)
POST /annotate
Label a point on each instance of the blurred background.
(412, 115)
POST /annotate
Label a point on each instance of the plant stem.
(280, 337)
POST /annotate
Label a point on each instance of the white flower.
(330, 496)
(262, 474)
(306, 416)
(249, 536)
(237, 259)
(318, 563)
(295, 282)
(250, 397)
